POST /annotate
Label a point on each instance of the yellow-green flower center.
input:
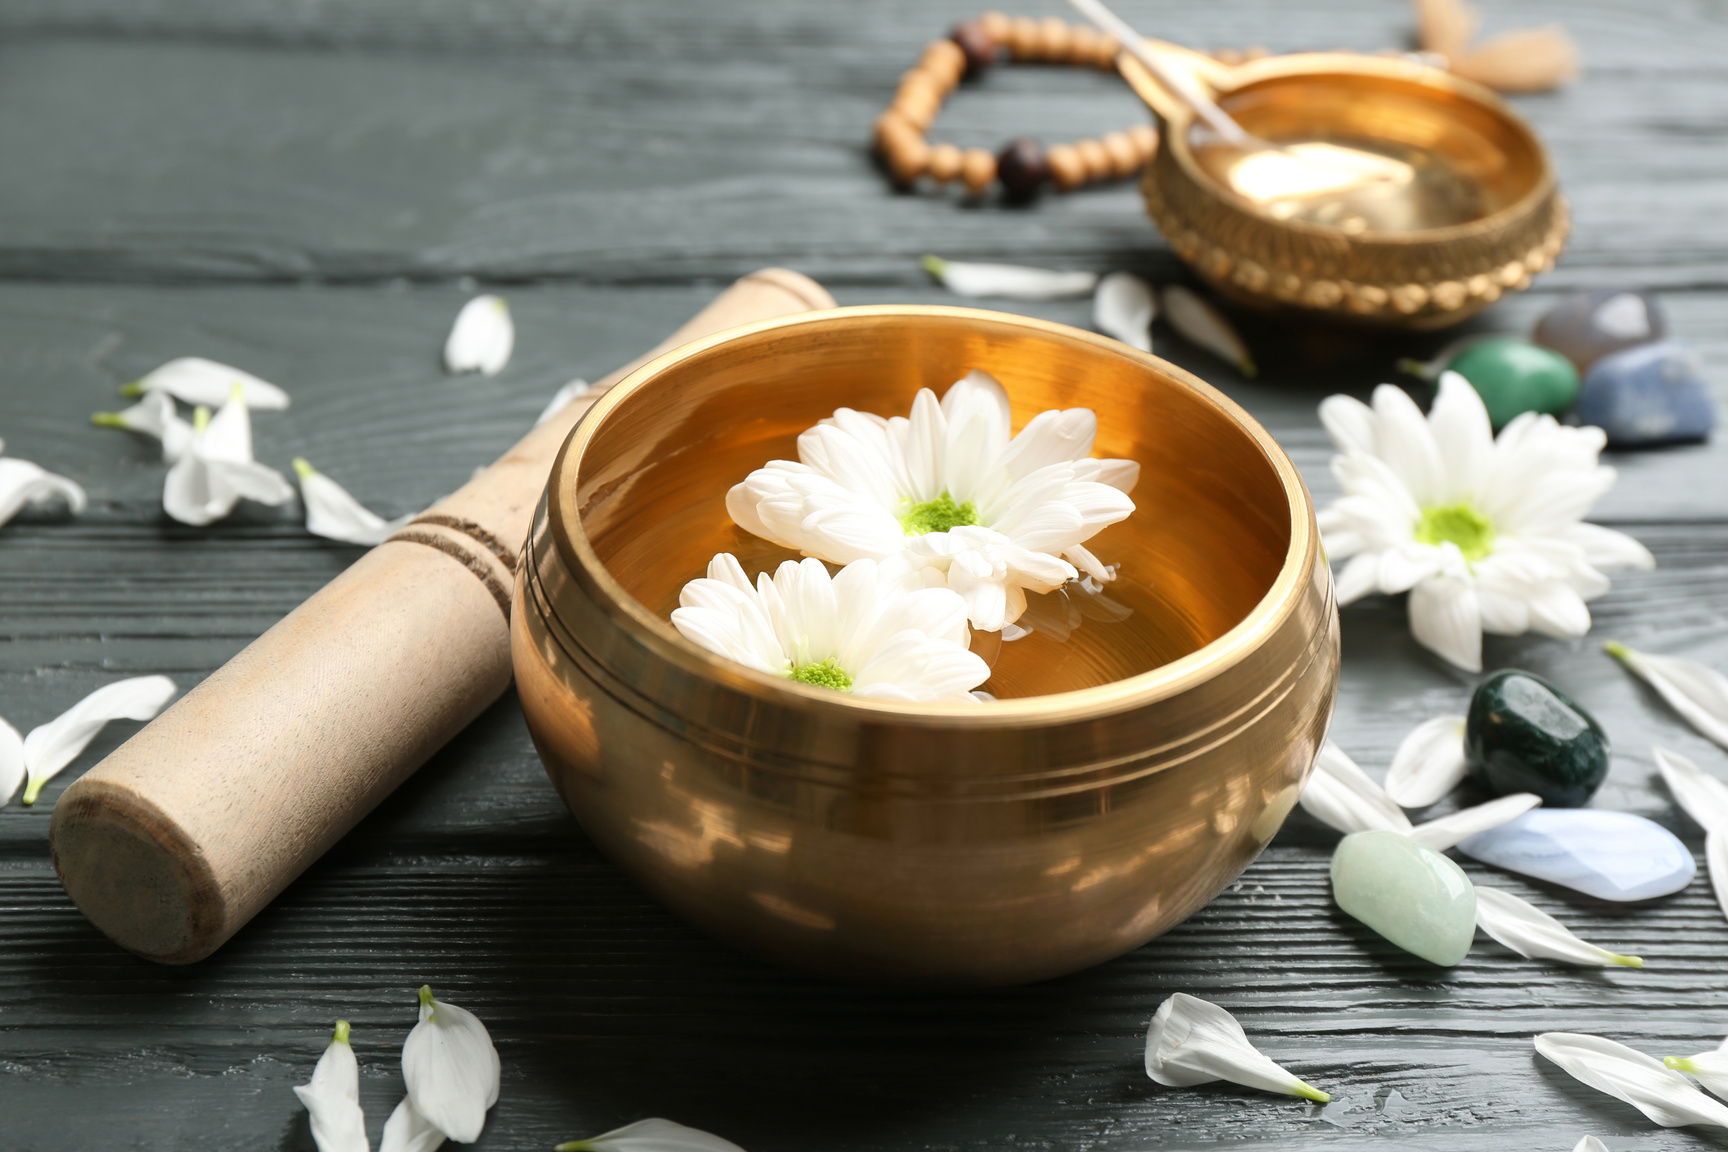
(1460, 524)
(825, 674)
(938, 515)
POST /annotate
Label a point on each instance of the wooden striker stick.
(180, 836)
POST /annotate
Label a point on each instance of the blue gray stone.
(1651, 394)
(1609, 855)
(1586, 326)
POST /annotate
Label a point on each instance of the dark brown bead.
(1022, 168)
(978, 45)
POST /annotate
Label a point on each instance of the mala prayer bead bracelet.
(1024, 165)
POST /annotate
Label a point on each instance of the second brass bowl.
(948, 844)
(1432, 274)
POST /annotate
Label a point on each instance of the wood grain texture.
(296, 186)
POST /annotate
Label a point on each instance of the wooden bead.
(1023, 38)
(888, 126)
(945, 162)
(977, 170)
(1021, 169)
(1108, 49)
(918, 100)
(1083, 44)
(995, 26)
(908, 156)
(1054, 39)
(976, 46)
(1124, 157)
(1145, 138)
(1067, 170)
(1097, 160)
(945, 62)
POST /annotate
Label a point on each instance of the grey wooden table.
(309, 190)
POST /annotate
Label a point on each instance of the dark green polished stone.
(1525, 735)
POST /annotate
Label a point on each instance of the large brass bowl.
(1439, 266)
(991, 844)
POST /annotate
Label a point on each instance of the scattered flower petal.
(560, 398)
(1446, 831)
(1342, 796)
(1200, 323)
(1716, 859)
(217, 469)
(1589, 1144)
(334, 514)
(1535, 935)
(1192, 1041)
(1124, 307)
(195, 380)
(861, 631)
(333, 1098)
(482, 337)
(1698, 693)
(1704, 797)
(1708, 1068)
(408, 1131)
(1429, 763)
(451, 1068)
(1662, 1094)
(11, 762)
(22, 482)
(651, 1136)
(52, 746)
(1008, 281)
(154, 415)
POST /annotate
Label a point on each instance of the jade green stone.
(1522, 734)
(1514, 376)
(1411, 895)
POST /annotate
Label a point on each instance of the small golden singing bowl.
(1124, 776)
(1480, 215)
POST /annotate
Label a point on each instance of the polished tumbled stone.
(1609, 855)
(1652, 394)
(1515, 376)
(1522, 734)
(1416, 898)
(1587, 326)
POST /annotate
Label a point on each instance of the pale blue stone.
(1609, 855)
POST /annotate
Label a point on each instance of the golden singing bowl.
(1126, 773)
(1481, 216)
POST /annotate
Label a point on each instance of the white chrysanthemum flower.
(451, 1068)
(217, 468)
(22, 482)
(333, 513)
(861, 632)
(1485, 534)
(482, 337)
(333, 1097)
(990, 515)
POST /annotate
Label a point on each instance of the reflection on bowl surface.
(1130, 769)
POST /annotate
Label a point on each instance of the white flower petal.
(334, 514)
(654, 1135)
(451, 1068)
(1464, 438)
(408, 1131)
(333, 1098)
(1342, 796)
(1008, 281)
(1716, 860)
(481, 338)
(1708, 1068)
(1663, 1095)
(1445, 618)
(11, 762)
(560, 398)
(22, 482)
(1350, 423)
(1589, 1144)
(195, 380)
(1535, 935)
(1404, 441)
(1124, 307)
(52, 746)
(1698, 693)
(1429, 762)
(1200, 323)
(154, 415)
(1446, 831)
(1704, 797)
(1607, 549)
(1192, 1041)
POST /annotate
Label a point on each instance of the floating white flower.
(334, 514)
(1124, 307)
(1535, 935)
(860, 631)
(154, 415)
(1698, 693)
(1662, 1094)
(333, 1098)
(50, 747)
(1485, 534)
(195, 380)
(654, 1135)
(990, 516)
(451, 1068)
(560, 398)
(1429, 762)
(1708, 1068)
(1705, 799)
(1193, 1041)
(1008, 281)
(1200, 323)
(22, 482)
(217, 469)
(1343, 797)
(408, 1131)
(482, 337)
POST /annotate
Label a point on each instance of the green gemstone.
(1522, 734)
(1514, 376)
(938, 515)
(1411, 895)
